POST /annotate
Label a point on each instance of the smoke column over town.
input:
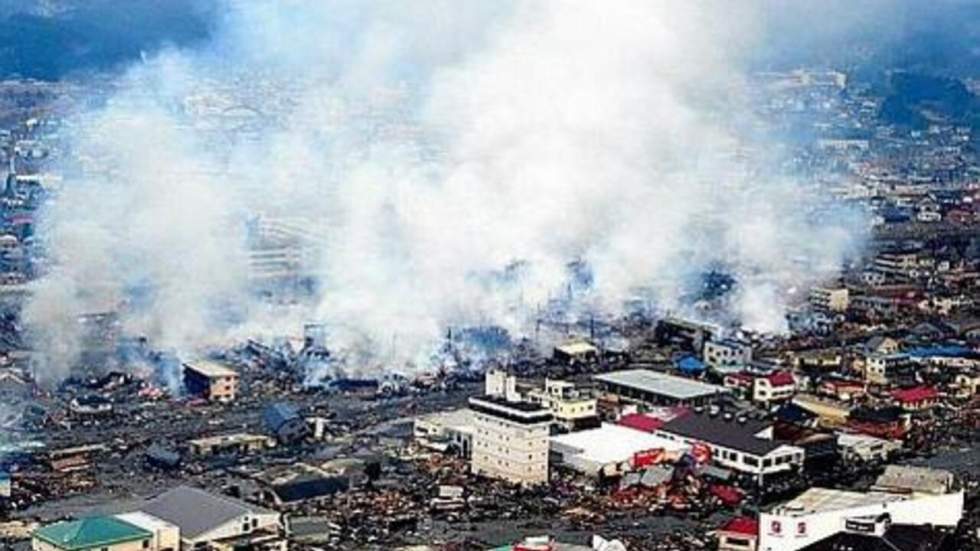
(451, 159)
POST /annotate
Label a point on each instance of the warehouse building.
(651, 388)
(206, 519)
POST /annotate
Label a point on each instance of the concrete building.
(885, 369)
(819, 513)
(646, 387)
(210, 380)
(572, 407)
(582, 352)
(444, 429)
(510, 441)
(104, 533)
(727, 353)
(825, 299)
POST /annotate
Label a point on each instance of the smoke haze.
(447, 160)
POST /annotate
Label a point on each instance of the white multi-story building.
(727, 353)
(510, 439)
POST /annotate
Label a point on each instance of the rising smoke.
(450, 159)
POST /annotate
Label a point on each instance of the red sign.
(648, 457)
(701, 452)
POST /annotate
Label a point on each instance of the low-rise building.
(582, 352)
(736, 442)
(819, 513)
(842, 389)
(763, 389)
(166, 536)
(890, 422)
(886, 369)
(105, 533)
(612, 449)
(210, 520)
(915, 399)
(211, 380)
(445, 429)
(651, 388)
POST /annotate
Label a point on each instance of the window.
(146, 544)
(751, 461)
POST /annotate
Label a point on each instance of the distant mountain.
(53, 38)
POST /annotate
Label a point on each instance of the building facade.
(510, 440)
(210, 380)
(819, 513)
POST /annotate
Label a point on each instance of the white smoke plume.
(450, 159)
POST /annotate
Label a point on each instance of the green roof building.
(95, 533)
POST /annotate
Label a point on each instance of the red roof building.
(917, 398)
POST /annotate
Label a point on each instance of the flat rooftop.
(211, 369)
(662, 384)
(821, 500)
(614, 443)
(459, 419)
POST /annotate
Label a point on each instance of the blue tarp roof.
(690, 364)
(945, 351)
